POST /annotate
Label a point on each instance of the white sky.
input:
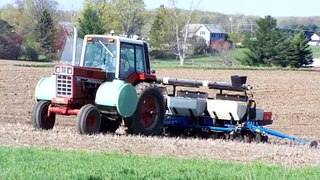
(261, 8)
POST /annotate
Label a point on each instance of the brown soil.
(292, 96)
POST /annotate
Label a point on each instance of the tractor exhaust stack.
(74, 51)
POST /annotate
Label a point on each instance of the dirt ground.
(292, 96)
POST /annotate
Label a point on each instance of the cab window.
(100, 53)
(140, 67)
(127, 59)
(131, 60)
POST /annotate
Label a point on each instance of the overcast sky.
(276, 8)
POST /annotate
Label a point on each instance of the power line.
(300, 29)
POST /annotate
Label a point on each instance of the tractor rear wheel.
(41, 118)
(88, 120)
(149, 115)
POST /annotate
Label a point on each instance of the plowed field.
(292, 96)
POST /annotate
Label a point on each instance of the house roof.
(212, 28)
(315, 37)
(193, 28)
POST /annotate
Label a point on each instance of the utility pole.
(231, 28)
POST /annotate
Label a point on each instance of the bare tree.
(223, 49)
(182, 32)
(38, 6)
(20, 5)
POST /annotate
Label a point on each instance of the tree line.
(29, 28)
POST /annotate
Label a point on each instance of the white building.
(315, 64)
(210, 32)
(315, 40)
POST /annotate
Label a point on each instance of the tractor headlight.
(69, 70)
(57, 70)
(63, 70)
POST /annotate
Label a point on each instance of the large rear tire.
(149, 115)
(41, 119)
(88, 120)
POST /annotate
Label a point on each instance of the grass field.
(204, 60)
(316, 51)
(217, 61)
(36, 65)
(30, 163)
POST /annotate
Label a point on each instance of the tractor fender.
(46, 88)
(118, 94)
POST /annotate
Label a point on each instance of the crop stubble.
(292, 96)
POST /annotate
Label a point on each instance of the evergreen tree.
(90, 22)
(270, 46)
(46, 32)
(265, 44)
(285, 53)
(303, 50)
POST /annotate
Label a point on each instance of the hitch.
(252, 125)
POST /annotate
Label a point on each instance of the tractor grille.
(64, 85)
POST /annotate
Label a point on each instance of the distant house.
(210, 32)
(315, 40)
(315, 64)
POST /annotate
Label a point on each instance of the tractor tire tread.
(132, 123)
(36, 116)
(82, 117)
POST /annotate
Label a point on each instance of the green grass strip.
(31, 163)
(168, 66)
(253, 68)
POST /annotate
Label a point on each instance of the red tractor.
(104, 80)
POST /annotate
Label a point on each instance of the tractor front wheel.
(41, 118)
(88, 120)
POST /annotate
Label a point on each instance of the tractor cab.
(119, 58)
